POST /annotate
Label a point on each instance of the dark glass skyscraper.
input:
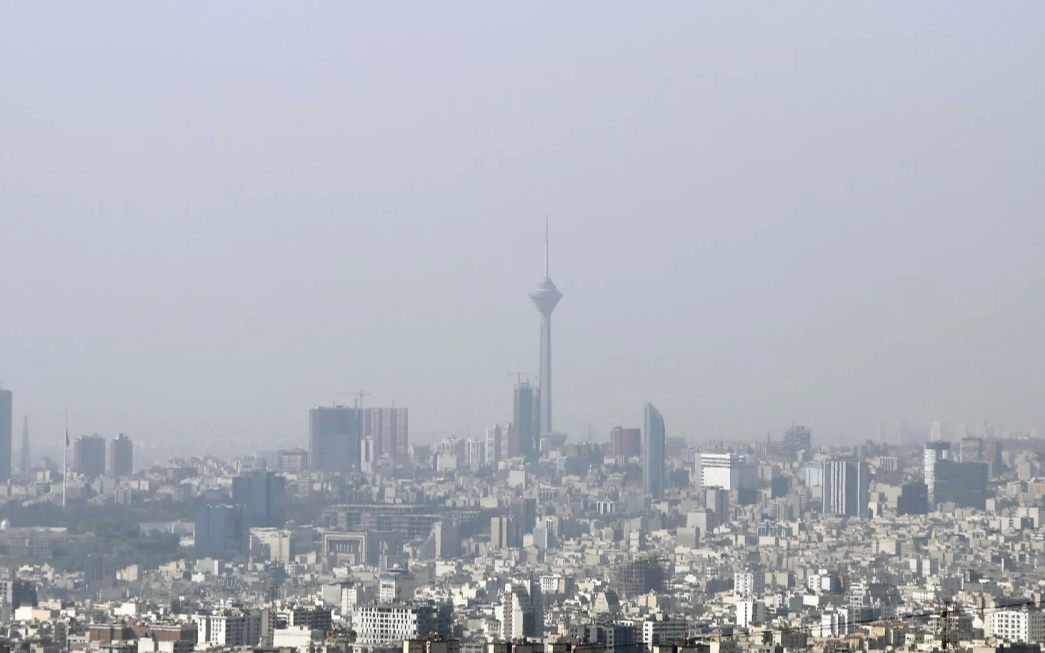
(6, 427)
(653, 453)
(262, 495)
(333, 439)
(964, 484)
(523, 435)
(221, 532)
(121, 456)
(89, 456)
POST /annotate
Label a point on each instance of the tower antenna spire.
(546, 276)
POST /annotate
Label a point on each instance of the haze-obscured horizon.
(217, 215)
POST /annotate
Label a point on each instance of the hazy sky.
(215, 215)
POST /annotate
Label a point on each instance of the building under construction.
(638, 575)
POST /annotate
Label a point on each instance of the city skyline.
(270, 274)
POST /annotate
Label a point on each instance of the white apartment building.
(1016, 625)
(396, 585)
(391, 624)
(724, 470)
(475, 451)
(750, 613)
(748, 583)
(229, 628)
(656, 631)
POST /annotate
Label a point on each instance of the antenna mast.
(24, 453)
(65, 458)
(546, 247)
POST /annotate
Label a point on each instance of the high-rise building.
(495, 439)
(653, 463)
(523, 435)
(447, 539)
(797, 438)
(522, 605)
(522, 519)
(89, 456)
(610, 635)
(396, 585)
(716, 499)
(626, 443)
(221, 532)
(846, 487)
(381, 625)
(934, 451)
(963, 484)
(6, 428)
(992, 455)
(367, 455)
(546, 298)
(291, 461)
(121, 456)
(263, 497)
(936, 432)
(913, 499)
(499, 532)
(724, 470)
(333, 439)
(390, 430)
(970, 450)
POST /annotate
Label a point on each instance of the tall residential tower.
(333, 439)
(121, 456)
(653, 453)
(546, 298)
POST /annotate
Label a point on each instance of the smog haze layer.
(215, 216)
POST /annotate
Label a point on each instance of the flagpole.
(65, 458)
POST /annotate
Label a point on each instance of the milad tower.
(546, 298)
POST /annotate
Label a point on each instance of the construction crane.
(519, 376)
(358, 395)
(988, 430)
(359, 398)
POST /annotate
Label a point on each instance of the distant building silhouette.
(625, 443)
(121, 456)
(934, 451)
(291, 461)
(797, 438)
(221, 532)
(963, 484)
(493, 449)
(523, 435)
(389, 429)
(653, 455)
(263, 497)
(333, 439)
(89, 456)
(970, 450)
(913, 499)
